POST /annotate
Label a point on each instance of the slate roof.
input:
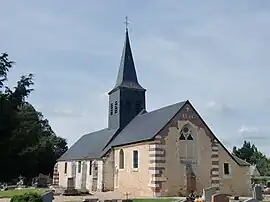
(127, 76)
(88, 146)
(145, 126)
(241, 162)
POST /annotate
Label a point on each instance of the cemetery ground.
(12, 192)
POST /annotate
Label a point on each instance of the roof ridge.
(90, 133)
(177, 103)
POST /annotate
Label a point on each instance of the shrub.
(27, 197)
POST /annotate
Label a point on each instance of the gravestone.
(20, 184)
(251, 200)
(208, 193)
(257, 193)
(220, 198)
(47, 197)
(91, 200)
(3, 187)
(41, 181)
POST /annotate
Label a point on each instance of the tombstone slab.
(208, 193)
(91, 200)
(257, 193)
(127, 200)
(220, 198)
(47, 197)
(116, 200)
(251, 200)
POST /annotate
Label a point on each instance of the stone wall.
(133, 180)
(108, 172)
(205, 159)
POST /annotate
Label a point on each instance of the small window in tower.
(138, 106)
(111, 109)
(115, 107)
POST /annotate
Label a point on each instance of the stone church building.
(166, 152)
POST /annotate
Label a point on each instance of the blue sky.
(214, 53)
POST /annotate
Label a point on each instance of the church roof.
(240, 161)
(143, 127)
(127, 76)
(88, 146)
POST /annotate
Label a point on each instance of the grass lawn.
(13, 192)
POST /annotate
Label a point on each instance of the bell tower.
(127, 98)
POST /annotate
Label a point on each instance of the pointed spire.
(127, 76)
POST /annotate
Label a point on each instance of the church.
(166, 152)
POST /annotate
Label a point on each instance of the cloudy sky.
(214, 53)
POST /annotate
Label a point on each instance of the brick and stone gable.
(187, 113)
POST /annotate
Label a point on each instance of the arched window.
(65, 171)
(186, 134)
(121, 159)
(187, 147)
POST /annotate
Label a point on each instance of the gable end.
(188, 113)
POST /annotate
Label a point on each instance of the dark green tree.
(252, 155)
(28, 145)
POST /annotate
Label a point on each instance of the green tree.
(252, 155)
(28, 145)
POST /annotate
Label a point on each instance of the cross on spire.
(126, 22)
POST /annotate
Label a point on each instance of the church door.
(95, 176)
(191, 179)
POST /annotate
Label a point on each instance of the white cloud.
(248, 129)
(68, 113)
(256, 134)
(182, 51)
(218, 107)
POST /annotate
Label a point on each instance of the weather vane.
(126, 22)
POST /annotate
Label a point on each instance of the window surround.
(115, 107)
(138, 162)
(111, 109)
(186, 133)
(79, 166)
(65, 168)
(229, 175)
(90, 168)
(121, 159)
